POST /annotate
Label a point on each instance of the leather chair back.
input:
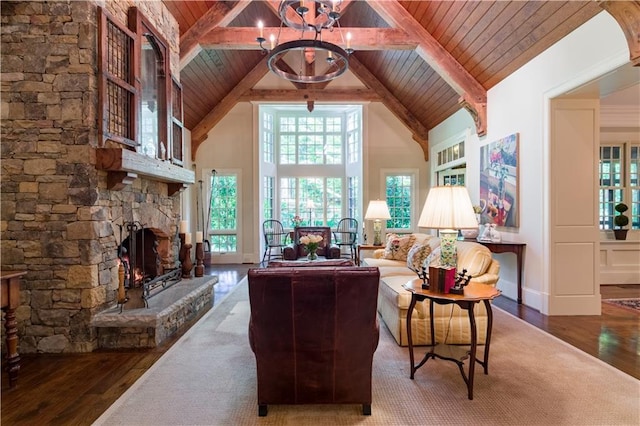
(314, 332)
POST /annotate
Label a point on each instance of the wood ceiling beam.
(306, 95)
(200, 130)
(292, 15)
(473, 96)
(244, 38)
(420, 133)
(627, 14)
(219, 15)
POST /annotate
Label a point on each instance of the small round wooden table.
(473, 293)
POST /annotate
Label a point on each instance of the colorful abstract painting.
(499, 182)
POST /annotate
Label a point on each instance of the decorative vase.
(312, 255)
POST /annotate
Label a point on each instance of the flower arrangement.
(311, 243)
(297, 221)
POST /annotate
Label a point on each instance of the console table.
(10, 298)
(508, 247)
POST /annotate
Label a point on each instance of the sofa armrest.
(487, 279)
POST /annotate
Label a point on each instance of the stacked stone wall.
(59, 222)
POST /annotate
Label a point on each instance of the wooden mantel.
(124, 166)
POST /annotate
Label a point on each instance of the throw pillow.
(473, 257)
(417, 255)
(433, 259)
(398, 247)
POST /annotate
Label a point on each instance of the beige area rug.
(208, 378)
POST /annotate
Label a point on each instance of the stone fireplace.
(62, 215)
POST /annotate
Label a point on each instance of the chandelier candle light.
(377, 211)
(301, 54)
(448, 208)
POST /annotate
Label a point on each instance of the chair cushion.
(397, 247)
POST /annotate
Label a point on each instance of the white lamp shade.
(377, 209)
(448, 207)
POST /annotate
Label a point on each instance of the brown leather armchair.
(313, 332)
(326, 247)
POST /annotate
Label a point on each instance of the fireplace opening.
(142, 273)
(139, 253)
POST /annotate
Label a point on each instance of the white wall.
(520, 104)
(230, 146)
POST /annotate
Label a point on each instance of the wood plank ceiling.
(425, 59)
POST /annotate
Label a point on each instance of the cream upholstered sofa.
(451, 322)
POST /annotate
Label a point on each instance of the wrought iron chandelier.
(307, 60)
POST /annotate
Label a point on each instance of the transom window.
(310, 140)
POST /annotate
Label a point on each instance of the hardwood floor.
(613, 337)
(74, 389)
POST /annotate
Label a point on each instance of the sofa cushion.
(398, 247)
(417, 255)
(389, 267)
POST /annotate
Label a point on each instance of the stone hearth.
(168, 313)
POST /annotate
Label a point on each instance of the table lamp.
(376, 211)
(448, 208)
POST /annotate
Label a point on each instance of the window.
(224, 213)
(353, 195)
(333, 200)
(154, 87)
(267, 137)
(177, 124)
(353, 138)
(118, 95)
(619, 182)
(311, 176)
(318, 201)
(138, 97)
(288, 200)
(452, 177)
(399, 189)
(310, 140)
(268, 198)
(451, 153)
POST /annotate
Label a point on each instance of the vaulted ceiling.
(423, 59)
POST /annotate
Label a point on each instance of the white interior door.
(574, 284)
